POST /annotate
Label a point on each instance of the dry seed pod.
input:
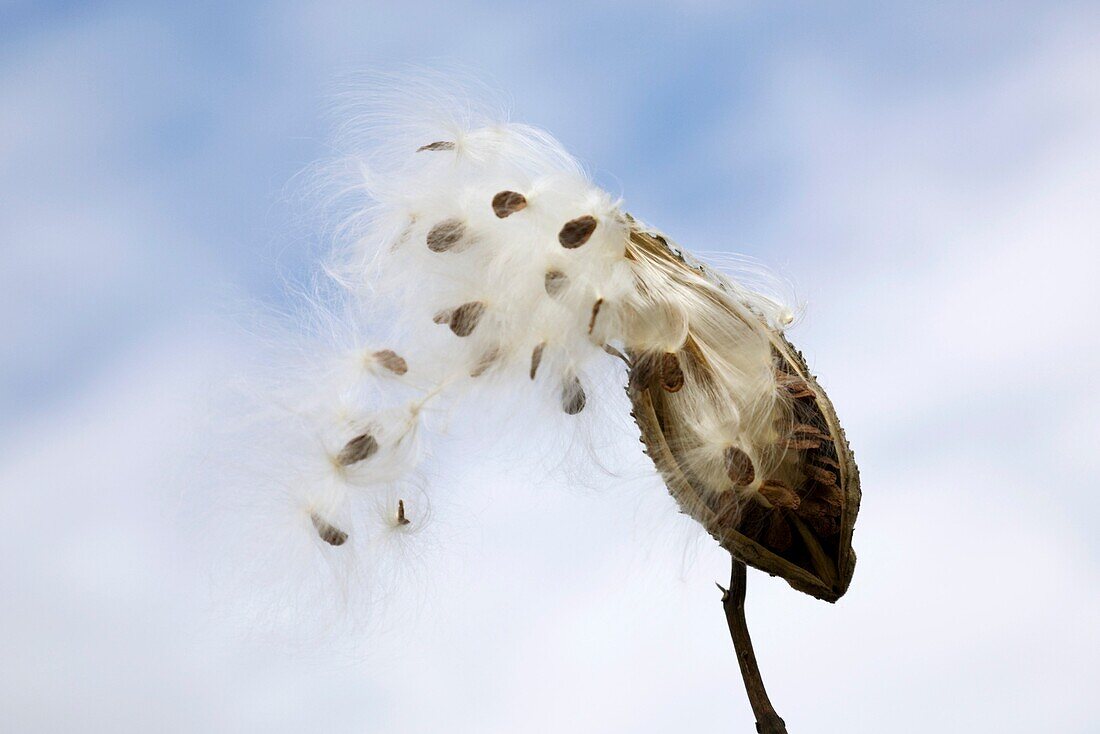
(819, 559)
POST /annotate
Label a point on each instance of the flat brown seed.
(357, 449)
(821, 475)
(444, 316)
(820, 516)
(466, 317)
(576, 232)
(803, 444)
(555, 281)
(536, 358)
(438, 145)
(392, 361)
(328, 532)
(644, 372)
(778, 536)
(672, 377)
(572, 396)
(595, 312)
(739, 466)
(508, 202)
(445, 235)
(779, 494)
(401, 519)
(487, 360)
(805, 429)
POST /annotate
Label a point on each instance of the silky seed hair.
(477, 252)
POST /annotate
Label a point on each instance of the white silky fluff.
(410, 161)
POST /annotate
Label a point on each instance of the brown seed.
(466, 317)
(445, 235)
(821, 475)
(444, 316)
(577, 231)
(328, 532)
(392, 361)
(779, 494)
(805, 429)
(831, 495)
(778, 536)
(595, 312)
(672, 377)
(739, 466)
(555, 281)
(644, 372)
(795, 386)
(438, 145)
(508, 202)
(820, 516)
(357, 449)
(401, 519)
(572, 396)
(803, 444)
(487, 360)
(536, 358)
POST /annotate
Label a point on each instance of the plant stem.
(733, 603)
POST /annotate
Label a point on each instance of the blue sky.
(925, 174)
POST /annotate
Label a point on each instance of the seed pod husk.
(819, 559)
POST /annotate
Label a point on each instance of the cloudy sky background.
(927, 176)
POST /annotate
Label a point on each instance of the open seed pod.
(783, 494)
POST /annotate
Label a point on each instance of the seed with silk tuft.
(555, 281)
(328, 532)
(779, 494)
(357, 449)
(739, 466)
(392, 361)
(466, 317)
(446, 235)
(672, 377)
(438, 145)
(577, 231)
(401, 519)
(572, 395)
(508, 202)
(536, 358)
